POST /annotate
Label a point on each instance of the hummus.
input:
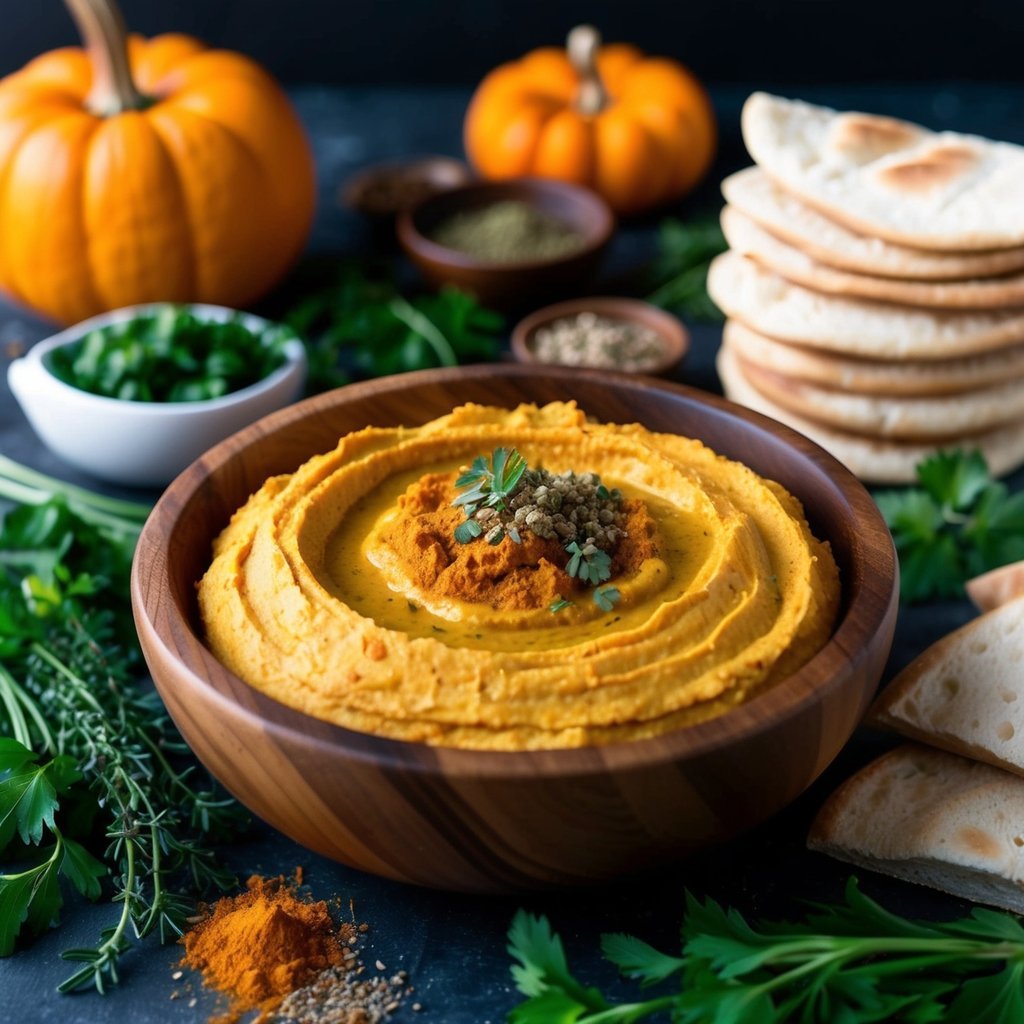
(722, 589)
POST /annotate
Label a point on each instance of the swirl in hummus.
(311, 596)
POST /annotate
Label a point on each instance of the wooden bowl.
(482, 820)
(508, 286)
(674, 336)
(382, 190)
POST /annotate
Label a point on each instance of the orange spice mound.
(263, 944)
(506, 576)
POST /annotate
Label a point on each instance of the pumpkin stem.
(106, 41)
(583, 43)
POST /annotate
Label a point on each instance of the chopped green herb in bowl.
(137, 394)
(170, 355)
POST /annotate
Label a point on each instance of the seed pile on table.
(589, 339)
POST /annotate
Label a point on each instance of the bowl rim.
(595, 238)
(356, 184)
(673, 332)
(848, 647)
(294, 361)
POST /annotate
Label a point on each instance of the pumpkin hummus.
(341, 590)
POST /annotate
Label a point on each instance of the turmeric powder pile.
(507, 576)
(261, 945)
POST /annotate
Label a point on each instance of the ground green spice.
(509, 231)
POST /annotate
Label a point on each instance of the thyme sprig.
(93, 772)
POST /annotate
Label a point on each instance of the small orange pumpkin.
(639, 130)
(134, 171)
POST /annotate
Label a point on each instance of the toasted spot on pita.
(866, 137)
(978, 841)
(930, 171)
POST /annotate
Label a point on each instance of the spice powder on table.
(273, 952)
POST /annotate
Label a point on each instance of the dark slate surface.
(453, 946)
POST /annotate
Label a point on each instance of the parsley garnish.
(490, 486)
(588, 563)
(559, 603)
(606, 597)
(958, 524)
(854, 961)
(171, 355)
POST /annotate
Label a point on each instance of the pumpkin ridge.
(190, 263)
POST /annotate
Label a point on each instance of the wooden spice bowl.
(675, 338)
(481, 820)
(382, 190)
(506, 286)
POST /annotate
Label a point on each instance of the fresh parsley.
(588, 564)
(362, 323)
(96, 786)
(957, 524)
(677, 278)
(854, 962)
(171, 355)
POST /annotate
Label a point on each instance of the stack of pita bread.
(874, 286)
(947, 810)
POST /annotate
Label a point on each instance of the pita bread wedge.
(942, 418)
(754, 194)
(874, 376)
(934, 818)
(996, 587)
(748, 237)
(965, 693)
(872, 460)
(771, 305)
(889, 178)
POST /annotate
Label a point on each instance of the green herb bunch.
(96, 785)
(363, 323)
(171, 355)
(677, 278)
(957, 524)
(853, 962)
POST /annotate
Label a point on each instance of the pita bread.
(930, 817)
(996, 587)
(754, 194)
(931, 419)
(965, 693)
(746, 236)
(872, 460)
(889, 178)
(873, 377)
(771, 305)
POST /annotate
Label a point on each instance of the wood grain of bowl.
(507, 286)
(490, 821)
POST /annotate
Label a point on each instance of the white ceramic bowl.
(142, 444)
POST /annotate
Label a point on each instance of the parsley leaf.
(853, 961)
(959, 523)
(678, 276)
(362, 324)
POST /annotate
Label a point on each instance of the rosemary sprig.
(120, 782)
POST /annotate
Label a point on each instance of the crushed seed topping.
(568, 507)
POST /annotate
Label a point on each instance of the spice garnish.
(577, 509)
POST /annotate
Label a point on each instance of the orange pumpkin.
(639, 130)
(134, 171)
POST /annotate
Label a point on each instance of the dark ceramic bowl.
(503, 285)
(675, 339)
(381, 191)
